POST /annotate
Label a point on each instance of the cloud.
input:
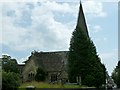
(0, 24)
(108, 55)
(44, 32)
(94, 28)
(97, 28)
(35, 25)
(104, 40)
(105, 0)
(94, 8)
(56, 0)
(110, 59)
(21, 60)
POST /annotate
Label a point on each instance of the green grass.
(46, 85)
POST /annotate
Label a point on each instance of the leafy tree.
(10, 73)
(116, 75)
(10, 80)
(83, 60)
(9, 65)
(41, 75)
(118, 81)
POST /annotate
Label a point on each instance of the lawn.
(47, 85)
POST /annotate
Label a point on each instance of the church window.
(53, 77)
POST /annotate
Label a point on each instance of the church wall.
(52, 60)
(30, 67)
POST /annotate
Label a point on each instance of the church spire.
(81, 20)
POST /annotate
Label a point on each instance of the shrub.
(41, 75)
(10, 80)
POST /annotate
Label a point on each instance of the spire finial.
(80, 2)
(81, 20)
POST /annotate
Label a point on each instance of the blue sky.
(47, 26)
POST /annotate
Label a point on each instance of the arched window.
(53, 77)
(31, 76)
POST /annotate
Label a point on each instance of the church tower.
(81, 20)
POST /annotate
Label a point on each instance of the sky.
(48, 25)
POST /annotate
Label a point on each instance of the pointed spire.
(81, 20)
(80, 1)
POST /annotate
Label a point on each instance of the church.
(54, 63)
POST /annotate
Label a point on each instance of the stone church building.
(54, 63)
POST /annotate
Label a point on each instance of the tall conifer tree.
(83, 60)
(116, 75)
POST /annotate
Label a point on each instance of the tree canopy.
(10, 80)
(9, 65)
(41, 75)
(10, 73)
(83, 60)
(116, 75)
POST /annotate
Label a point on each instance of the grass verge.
(47, 85)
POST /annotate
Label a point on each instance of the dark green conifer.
(83, 61)
(116, 75)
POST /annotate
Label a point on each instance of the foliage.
(9, 66)
(41, 75)
(83, 60)
(116, 75)
(10, 80)
(10, 73)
